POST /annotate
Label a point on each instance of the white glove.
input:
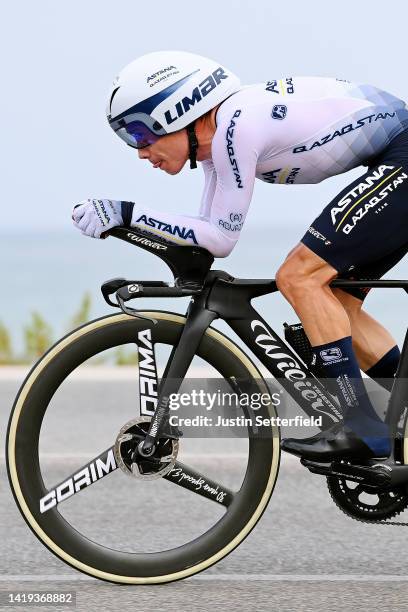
(93, 217)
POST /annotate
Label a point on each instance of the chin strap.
(192, 145)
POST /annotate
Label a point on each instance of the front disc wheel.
(201, 500)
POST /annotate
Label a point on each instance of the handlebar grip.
(162, 292)
(135, 290)
(113, 231)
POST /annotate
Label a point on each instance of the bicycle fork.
(181, 356)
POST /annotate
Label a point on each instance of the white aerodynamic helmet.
(166, 91)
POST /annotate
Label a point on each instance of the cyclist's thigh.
(373, 271)
(363, 232)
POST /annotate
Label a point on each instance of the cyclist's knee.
(294, 285)
(303, 271)
(294, 282)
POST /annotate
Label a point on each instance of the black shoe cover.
(337, 442)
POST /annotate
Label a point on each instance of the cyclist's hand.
(93, 217)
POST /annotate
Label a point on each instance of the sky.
(58, 60)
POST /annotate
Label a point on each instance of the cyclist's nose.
(143, 154)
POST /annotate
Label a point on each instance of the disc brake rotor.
(132, 463)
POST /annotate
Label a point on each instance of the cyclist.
(175, 106)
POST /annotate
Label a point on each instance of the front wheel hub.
(128, 442)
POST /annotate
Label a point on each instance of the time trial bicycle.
(138, 511)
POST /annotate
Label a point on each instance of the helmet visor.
(136, 134)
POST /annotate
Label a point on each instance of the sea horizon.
(50, 272)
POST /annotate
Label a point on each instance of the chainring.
(364, 503)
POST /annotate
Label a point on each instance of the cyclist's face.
(169, 153)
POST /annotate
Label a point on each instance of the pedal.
(324, 469)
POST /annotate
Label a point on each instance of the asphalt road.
(304, 553)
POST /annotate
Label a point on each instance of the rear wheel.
(124, 529)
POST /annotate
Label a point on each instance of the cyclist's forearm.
(184, 230)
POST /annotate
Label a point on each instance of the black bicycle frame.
(230, 299)
(217, 295)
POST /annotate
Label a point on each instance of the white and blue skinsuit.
(286, 131)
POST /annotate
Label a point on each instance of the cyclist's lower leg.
(304, 280)
(376, 350)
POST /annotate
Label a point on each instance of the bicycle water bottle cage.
(296, 337)
(188, 264)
